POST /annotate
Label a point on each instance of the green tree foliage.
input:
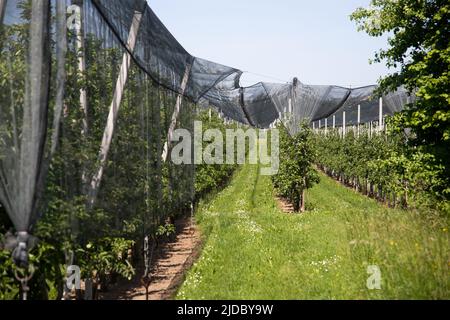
(419, 49)
(209, 178)
(382, 166)
(138, 191)
(296, 172)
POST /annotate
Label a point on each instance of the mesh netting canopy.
(90, 94)
(167, 62)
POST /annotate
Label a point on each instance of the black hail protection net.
(90, 92)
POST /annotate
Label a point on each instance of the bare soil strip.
(171, 262)
(285, 205)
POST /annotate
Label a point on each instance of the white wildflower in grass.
(326, 264)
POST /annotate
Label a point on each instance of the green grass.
(253, 251)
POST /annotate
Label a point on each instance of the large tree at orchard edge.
(418, 47)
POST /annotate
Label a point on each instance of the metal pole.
(343, 124)
(359, 119)
(380, 128)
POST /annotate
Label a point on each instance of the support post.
(75, 23)
(359, 120)
(176, 113)
(326, 126)
(114, 110)
(334, 122)
(380, 123)
(343, 125)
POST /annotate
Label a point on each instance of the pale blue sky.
(311, 39)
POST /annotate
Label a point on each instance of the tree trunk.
(302, 204)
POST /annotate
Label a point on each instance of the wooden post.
(176, 113)
(114, 109)
(326, 126)
(334, 122)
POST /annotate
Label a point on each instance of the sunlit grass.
(254, 251)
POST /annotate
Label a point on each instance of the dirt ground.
(284, 205)
(171, 262)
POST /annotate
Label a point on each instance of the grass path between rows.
(254, 251)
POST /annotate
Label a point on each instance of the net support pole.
(114, 109)
(82, 70)
(75, 24)
(343, 125)
(176, 113)
(380, 123)
(359, 119)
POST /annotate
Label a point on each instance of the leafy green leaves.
(296, 173)
(419, 47)
(387, 162)
(106, 256)
(210, 177)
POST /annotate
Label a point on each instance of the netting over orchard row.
(91, 90)
(84, 126)
(158, 52)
